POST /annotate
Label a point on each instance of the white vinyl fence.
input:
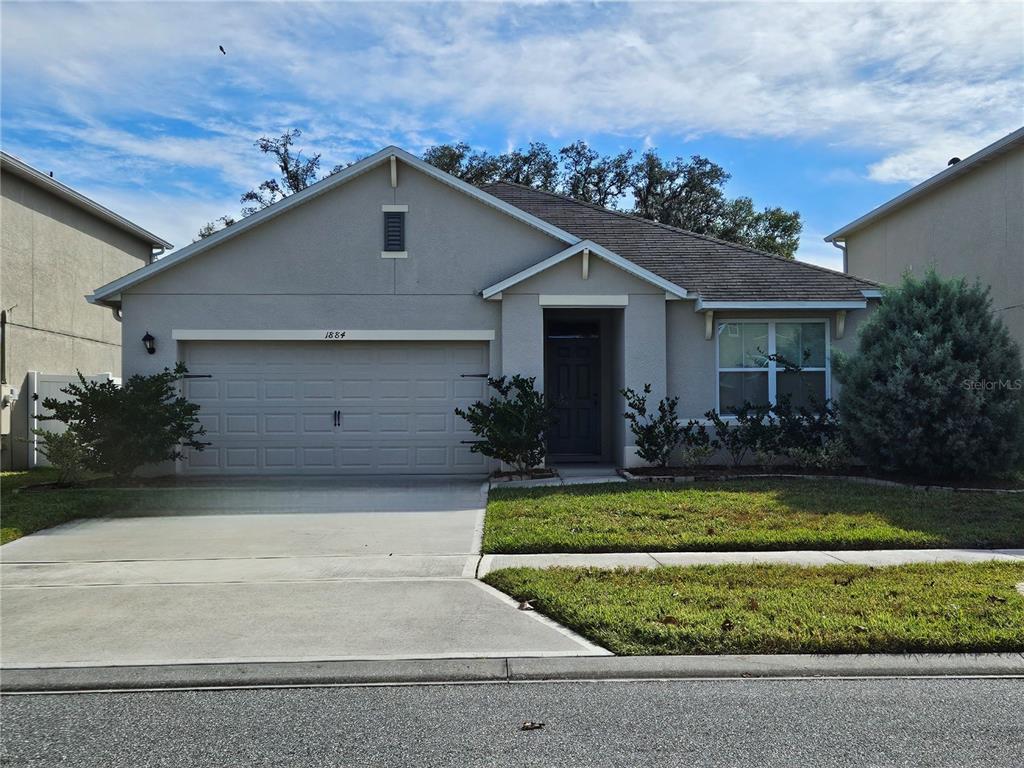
(42, 386)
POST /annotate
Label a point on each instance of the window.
(763, 361)
(394, 231)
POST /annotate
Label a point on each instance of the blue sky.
(823, 107)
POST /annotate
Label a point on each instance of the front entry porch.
(581, 380)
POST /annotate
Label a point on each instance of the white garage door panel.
(269, 406)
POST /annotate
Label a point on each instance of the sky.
(827, 108)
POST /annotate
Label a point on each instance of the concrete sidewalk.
(873, 557)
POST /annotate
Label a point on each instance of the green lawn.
(933, 608)
(30, 511)
(746, 515)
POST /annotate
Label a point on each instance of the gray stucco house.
(966, 221)
(57, 245)
(337, 330)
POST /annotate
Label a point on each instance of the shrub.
(758, 431)
(65, 453)
(657, 435)
(512, 427)
(728, 437)
(698, 446)
(935, 387)
(123, 428)
(805, 429)
(832, 455)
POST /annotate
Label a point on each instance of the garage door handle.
(337, 418)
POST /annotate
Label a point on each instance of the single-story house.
(336, 331)
(965, 221)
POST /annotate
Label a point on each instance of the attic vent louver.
(394, 231)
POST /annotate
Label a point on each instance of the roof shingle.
(713, 269)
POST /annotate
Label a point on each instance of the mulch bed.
(718, 472)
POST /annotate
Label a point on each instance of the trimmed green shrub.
(935, 387)
(513, 426)
(121, 428)
(656, 434)
(729, 436)
(65, 453)
(698, 445)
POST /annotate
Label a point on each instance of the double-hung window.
(764, 361)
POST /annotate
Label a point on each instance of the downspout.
(156, 253)
(842, 247)
(3, 346)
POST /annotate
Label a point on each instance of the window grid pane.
(743, 345)
(745, 374)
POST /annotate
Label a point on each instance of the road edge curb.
(505, 670)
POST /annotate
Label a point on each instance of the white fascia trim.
(330, 334)
(104, 293)
(702, 306)
(596, 250)
(871, 294)
(394, 208)
(947, 174)
(575, 300)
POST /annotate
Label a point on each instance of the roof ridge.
(680, 230)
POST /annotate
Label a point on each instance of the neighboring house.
(967, 221)
(57, 244)
(337, 330)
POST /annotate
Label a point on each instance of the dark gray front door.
(573, 385)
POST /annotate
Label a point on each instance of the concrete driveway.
(295, 569)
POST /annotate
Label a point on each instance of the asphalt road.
(882, 722)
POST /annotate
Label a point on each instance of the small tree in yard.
(120, 429)
(512, 427)
(935, 387)
(657, 435)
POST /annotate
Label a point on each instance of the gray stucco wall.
(52, 254)
(972, 226)
(319, 266)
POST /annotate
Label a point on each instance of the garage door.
(327, 408)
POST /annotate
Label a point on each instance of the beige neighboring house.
(57, 246)
(966, 221)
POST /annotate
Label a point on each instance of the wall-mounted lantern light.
(149, 342)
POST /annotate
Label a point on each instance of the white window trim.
(394, 254)
(394, 208)
(772, 369)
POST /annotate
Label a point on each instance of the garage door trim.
(331, 334)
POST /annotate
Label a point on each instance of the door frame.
(604, 370)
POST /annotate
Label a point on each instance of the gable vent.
(394, 231)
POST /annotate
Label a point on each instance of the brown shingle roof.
(712, 268)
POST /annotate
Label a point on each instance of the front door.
(573, 386)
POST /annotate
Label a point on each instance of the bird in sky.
(222, 50)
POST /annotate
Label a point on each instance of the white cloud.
(913, 82)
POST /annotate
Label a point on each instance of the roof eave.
(494, 291)
(317, 189)
(35, 176)
(703, 305)
(946, 175)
